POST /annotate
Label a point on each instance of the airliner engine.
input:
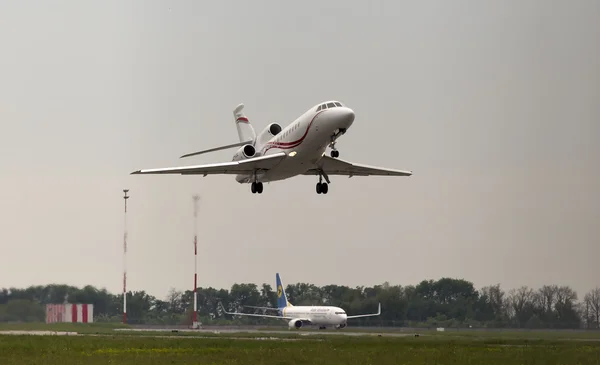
(269, 132)
(295, 323)
(245, 152)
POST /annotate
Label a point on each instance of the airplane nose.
(347, 117)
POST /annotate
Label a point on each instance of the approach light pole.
(195, 324)
(125, 197)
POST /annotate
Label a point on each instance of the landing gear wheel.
(335, 153)
(256, 187)
(322, 188)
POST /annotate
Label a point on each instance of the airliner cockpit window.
(338, 104)
(330, 105)
(319, 108)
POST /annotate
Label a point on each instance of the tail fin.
(244, 128)
(282, 301)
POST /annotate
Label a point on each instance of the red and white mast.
(195, 323)
(125, 260)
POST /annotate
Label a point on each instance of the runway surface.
(266, 333)
(198, 333)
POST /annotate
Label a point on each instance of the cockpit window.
(330, 105)
(340, 312)
(338, 104)
(319, 108)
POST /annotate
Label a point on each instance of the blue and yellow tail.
(282, 301)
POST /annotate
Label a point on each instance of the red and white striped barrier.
(69, 313)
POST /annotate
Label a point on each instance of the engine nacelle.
(245, 152)
(269, 132)
(294, 323)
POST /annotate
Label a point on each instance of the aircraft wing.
(335, 166)
(366, 315)
(253, 315)
(234, 167)
(264, 308)
(217, 148)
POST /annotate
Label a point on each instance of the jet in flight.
(322, 316)
(281, 153)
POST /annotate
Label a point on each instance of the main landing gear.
(256, 187)
(322, 187)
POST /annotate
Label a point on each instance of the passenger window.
(330, 105)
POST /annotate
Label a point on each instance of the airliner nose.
(347, 116)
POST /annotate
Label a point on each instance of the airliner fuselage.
(305, 139)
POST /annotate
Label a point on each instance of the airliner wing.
(234, 167)
(218, 148)
(335, 166)
(253, 315)
(366, 315)
(265, 308)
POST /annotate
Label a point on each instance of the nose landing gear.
(334, 152)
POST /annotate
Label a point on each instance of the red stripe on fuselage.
(242, 119)
(288, 145)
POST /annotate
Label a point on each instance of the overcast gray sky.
(495, 107)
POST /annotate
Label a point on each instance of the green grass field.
(131, 349)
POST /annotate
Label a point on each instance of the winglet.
(224, 310)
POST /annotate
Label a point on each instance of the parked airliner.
(280, 153)
(322, 316)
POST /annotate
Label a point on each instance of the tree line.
(445, 302)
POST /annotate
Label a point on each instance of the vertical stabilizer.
(282, 301)
(242, 123)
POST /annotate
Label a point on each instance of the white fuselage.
(318, 315)
(305, 140)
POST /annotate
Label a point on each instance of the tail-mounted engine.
(294, 323)
(269, 132)
(245, 152)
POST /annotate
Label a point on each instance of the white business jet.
(280, 153)
(322, 316)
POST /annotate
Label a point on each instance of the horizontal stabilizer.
(218, 148)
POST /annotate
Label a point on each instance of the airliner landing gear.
(256, 187)
(334, 152)
(322, 187)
